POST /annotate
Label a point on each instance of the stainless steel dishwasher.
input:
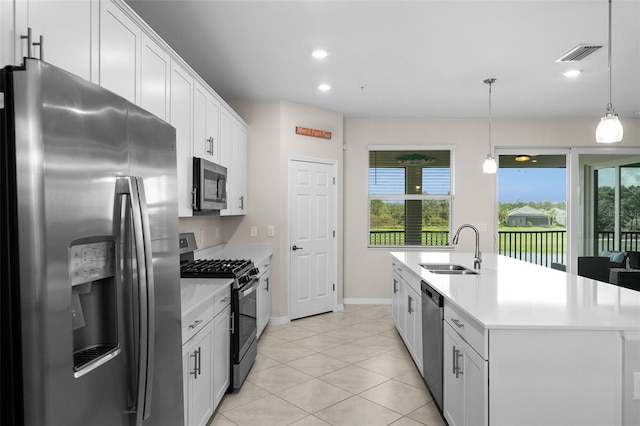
(432, 317)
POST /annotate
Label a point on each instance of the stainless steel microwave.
(209, 186)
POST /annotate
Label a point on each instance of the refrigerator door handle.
(134, 187)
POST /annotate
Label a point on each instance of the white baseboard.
(359, 301)
(339, 308)
(279, 320)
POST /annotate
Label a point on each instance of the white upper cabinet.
(233, 155)
(206, 124)
(155, 71)
(120, 41)
(181, 116)
(65, 27)
(105, 42)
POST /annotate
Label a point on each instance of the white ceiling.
(409, 58)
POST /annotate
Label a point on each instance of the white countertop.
(195, 290)
(509, 293)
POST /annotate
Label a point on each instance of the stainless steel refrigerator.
(90, 295)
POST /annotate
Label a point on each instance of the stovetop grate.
(215, 268)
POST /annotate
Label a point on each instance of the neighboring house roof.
(527, 211)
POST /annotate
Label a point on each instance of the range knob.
(243, 280)
(254, 271)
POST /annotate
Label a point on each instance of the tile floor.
(343, 368)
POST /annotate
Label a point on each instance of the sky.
(528, 184)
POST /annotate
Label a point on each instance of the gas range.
(241, 269)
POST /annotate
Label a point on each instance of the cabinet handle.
(199, 360)
(210, 140)
(457, 323)
(395, 286)
(242, 202)
(224, 300)
(28, 38)
(195, 323)
(458, 369)
(195, 363)
(267, 284)
(453, 360)
(41, 44)
(193, 198)
(409, 303)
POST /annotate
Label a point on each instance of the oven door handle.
(251, 289)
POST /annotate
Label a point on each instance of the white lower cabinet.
(413, 325)
(465, 381)
(197, 369)
(221, 354)
(395, 299)
(263, 295)
(406, 308)
(206, 353)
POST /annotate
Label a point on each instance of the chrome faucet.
(477, 259)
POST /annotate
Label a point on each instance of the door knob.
(294, 248)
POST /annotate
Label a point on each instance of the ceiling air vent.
(578, 53)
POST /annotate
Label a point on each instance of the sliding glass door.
(557, 205)
(616, 203)
(532, 206)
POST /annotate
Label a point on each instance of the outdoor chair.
(594, 267)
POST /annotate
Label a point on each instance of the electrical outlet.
(254, 231)
(270, 231)
(636, 385)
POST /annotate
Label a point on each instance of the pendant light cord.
(490, 82)
(609, 106)
(490, 138)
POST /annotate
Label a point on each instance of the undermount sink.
(447, 269)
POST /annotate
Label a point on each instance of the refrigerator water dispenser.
(94, 308)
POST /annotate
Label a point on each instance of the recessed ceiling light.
(324, 87)
(572, 73)
(319, 54)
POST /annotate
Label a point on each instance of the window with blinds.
(410, 197)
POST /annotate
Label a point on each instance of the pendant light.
(609, 129)
(490, 165)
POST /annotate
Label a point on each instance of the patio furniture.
(594, 267)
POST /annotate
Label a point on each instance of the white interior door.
(312, 238)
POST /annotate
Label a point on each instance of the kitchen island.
(528, 345)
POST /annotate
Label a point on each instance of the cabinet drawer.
(467, 328)
(195, 319)
(221, 300)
